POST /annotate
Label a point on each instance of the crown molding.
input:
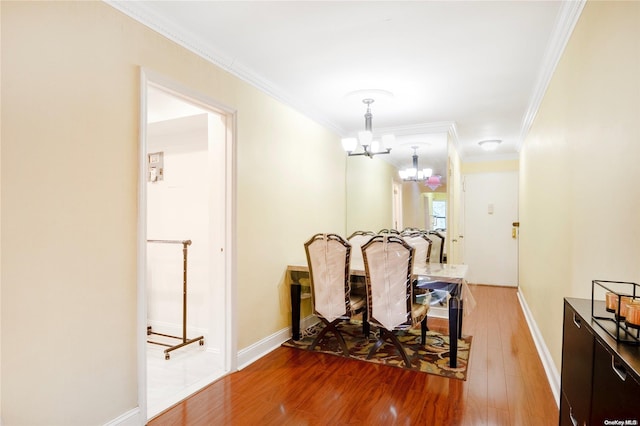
(416, 129)
(138, 11)
(565, 23)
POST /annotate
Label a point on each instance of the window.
(439, 214)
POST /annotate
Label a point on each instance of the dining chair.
(358, 288)
(357, 240)
(422, 245)
(442, 233)
(328, 262)
(409, 230)
(388, 261)
(389, 231)
(437, 247)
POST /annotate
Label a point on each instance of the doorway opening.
(185, 233)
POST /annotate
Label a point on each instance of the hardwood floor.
(506, 383)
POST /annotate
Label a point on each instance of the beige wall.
(369, 194)
(490, 166)
(579, 193)
(70, 84)
(413, 198)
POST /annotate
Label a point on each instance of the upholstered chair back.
(328, 261)
(436, 248)
(357, 240)
(422, 245)
(388, 262)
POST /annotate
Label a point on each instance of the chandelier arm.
(368, 136)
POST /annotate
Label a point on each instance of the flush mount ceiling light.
(490, 145)
(370, 147)
(412, 173)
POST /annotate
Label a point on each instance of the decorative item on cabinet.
(621, 299)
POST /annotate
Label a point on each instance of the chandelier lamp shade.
(369, 146)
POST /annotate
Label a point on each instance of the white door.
(490, 208)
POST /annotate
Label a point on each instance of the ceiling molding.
(565, 23)
(418, 129)
(141, 12)
(445, 127)
(144, 15)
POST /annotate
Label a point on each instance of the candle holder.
(619, 314)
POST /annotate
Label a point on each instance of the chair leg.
(384, 333)
(376, 346)
(330, 326)
(366, 328)
(400, 349)
(423, 330)
(320, 335)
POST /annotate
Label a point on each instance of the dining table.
(426, 276)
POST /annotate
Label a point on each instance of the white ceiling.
(475, 68)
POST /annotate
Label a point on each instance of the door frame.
(230, 351)
(396, 202)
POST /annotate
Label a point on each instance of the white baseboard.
(439, 311)
(547, 361)
(245, 357)
(130, 418)
(259, 349)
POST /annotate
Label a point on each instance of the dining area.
(385, 283)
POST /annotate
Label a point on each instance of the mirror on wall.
(377, 196)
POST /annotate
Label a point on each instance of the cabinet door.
(616, 394)
(567, 416)
(577, 366)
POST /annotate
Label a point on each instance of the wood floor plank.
(506, 383)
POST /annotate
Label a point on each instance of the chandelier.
(370, 147)
(413, 174)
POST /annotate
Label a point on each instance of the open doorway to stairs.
(185, 234)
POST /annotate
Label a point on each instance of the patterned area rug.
(432, 358)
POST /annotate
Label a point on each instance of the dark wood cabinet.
(616, 391)
(600, 377)
(577, 358)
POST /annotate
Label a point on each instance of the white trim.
(567, 18)
(254, 352)
(130, 418)
(138, 11)
(439, 311)
(231, 286)
(545, 356)
(141, 275)
(229, 353)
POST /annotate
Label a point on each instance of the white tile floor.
(189, 369)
